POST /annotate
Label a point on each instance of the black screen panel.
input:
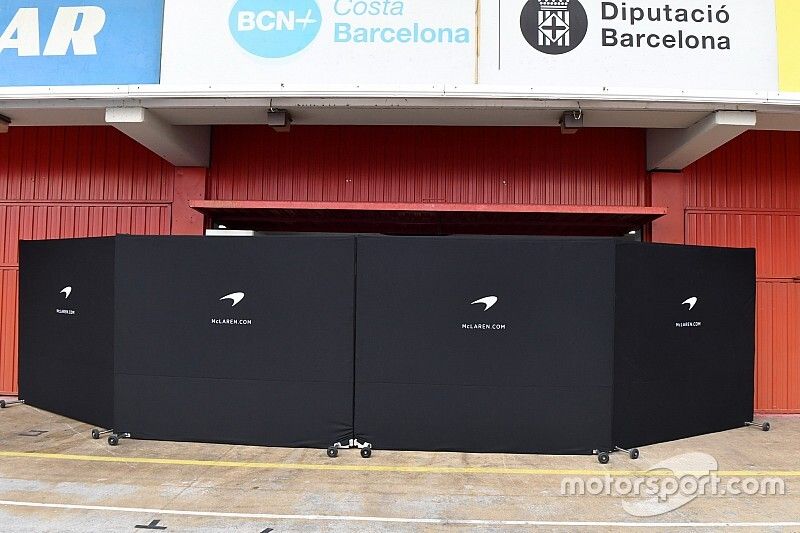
(285, 328)
(532, 373)
(66, 343)
(685, 341)
(474, 344)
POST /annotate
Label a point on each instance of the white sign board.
(328, 42)
(648, 50)
(630, 46)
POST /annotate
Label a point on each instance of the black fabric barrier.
(66, 343)
(532, 373)
(682, 369)
(274, 368)
(478, 344)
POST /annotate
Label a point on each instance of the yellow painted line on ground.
(380, 468)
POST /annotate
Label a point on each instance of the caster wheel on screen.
(95, 434)
(603, 458)
(2, 404)
(332, 452)
(634, 454)
(366, 453)
(113, 440)
(765, 427)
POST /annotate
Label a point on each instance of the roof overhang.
(430, 218)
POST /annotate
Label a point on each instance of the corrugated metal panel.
(778, 347)
(55, 221)
(8, 329)
(747, 194)
(429, 164)
(71, 182)
(86, 163)
(775, 237)
(758, 170)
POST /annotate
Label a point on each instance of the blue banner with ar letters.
(80, 42)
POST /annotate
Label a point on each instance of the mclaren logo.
(691, 302)
(488, 301)
(66, 291)
(234, 297)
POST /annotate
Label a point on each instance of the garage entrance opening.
(428, 219)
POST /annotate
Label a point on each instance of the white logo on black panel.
(691, 302)
(554, 26)
(488, 302)
(235, 299)
(67, 292)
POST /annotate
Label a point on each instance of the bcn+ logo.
(275, 28)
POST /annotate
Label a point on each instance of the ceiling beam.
(183, 146)
(676, 149)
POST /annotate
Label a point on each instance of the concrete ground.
(54, 477)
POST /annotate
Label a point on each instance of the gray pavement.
(54, 477)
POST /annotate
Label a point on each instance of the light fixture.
(4, 123)
(279, 120)
(571, 121)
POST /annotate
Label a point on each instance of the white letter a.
(25, 25)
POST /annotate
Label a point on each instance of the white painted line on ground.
(379, 519)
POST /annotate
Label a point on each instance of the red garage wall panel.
(747, 194)
(778, 334)
(71, 182)
(757, 170)
(412, 164)
(775, 235)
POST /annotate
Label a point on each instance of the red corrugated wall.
(71, 182)
(65, 182)
(412, 164)
(747, 194)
